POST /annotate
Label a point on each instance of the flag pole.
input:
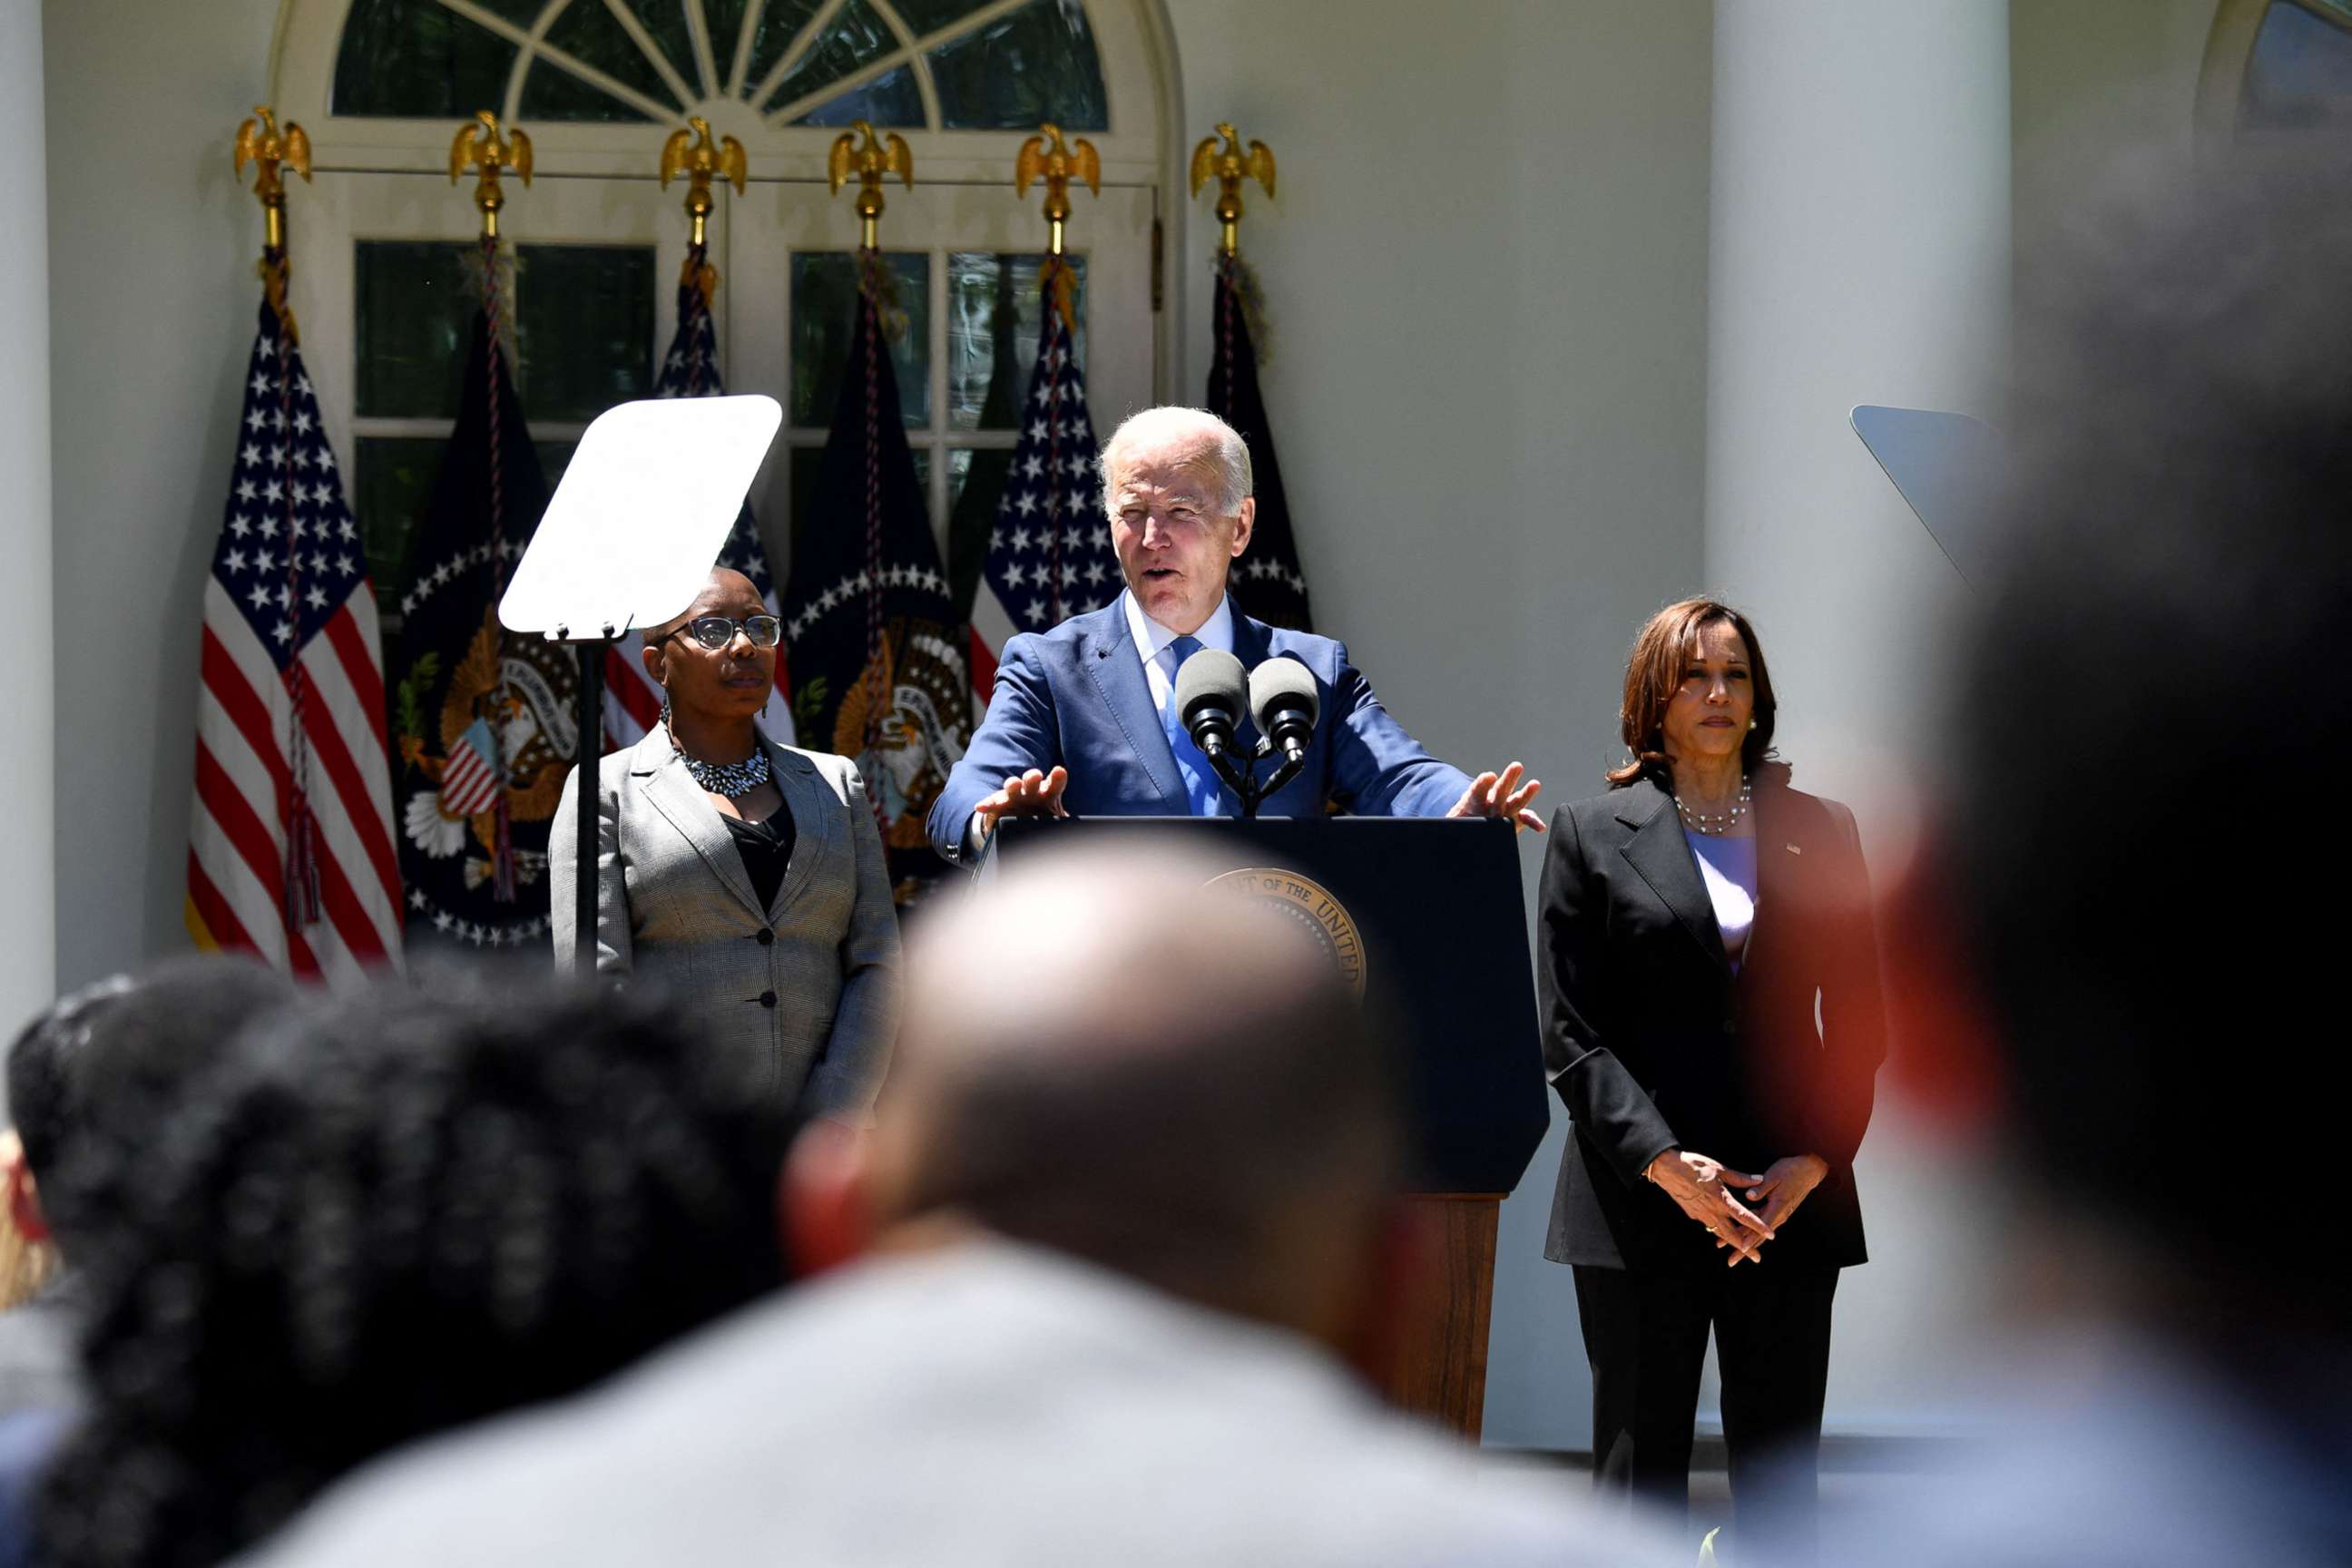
(693, 153)
(1231, 168)
(880, 157)
(1047, 157)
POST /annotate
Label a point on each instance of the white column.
(1858, 252)
(27, 695)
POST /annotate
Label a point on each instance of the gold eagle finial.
(480, 146)
(261, 142)
(1230, 167)
(693, 153)
(1046, 156)
(881, 157)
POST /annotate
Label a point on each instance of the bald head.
(723, 593)
(1105, 1056)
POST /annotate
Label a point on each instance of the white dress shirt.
(1151, 640)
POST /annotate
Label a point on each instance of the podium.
(1426, 914)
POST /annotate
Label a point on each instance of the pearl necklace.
(729, 779)
(1718, 822)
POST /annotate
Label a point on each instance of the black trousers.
(1645, 1335)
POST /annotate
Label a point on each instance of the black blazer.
(1653, 1043)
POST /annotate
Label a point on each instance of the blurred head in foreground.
(2156, 916)
(1160, 1078)
(92, 1080)
(387, 1214)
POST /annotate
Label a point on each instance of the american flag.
(1049, 557)
(632, 701)
(290, 856)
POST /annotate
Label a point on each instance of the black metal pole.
(592, 748)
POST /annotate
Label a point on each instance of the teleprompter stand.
(1432, 909)
(642, 514)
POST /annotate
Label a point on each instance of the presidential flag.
(484, 724)
(1266, 582)
(1049, 556)
(632, 700)
(290, 853)
(878, 663)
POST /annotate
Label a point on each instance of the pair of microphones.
(1212, 694)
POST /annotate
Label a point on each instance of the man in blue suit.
(1083, 719)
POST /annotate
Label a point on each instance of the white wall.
(27, 923)
(1486, 274)
(151, 300)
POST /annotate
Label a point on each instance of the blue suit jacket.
(1076, 696)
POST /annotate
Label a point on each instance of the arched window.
(2275, 67)
(377, 240)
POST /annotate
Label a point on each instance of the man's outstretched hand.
(1501, 795)
(1032, 794)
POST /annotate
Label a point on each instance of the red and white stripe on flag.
(290, 852)
(237, 848)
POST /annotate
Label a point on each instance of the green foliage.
(411, 693)
(808, 705)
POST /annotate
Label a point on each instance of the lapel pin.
(1794, 851)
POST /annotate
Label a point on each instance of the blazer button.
(767, 998)
(767, 937)
(1731, 1026)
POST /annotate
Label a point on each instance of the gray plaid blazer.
(808, 986)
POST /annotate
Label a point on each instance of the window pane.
(2299, 76)
(392, 484)
(931, 15)
(551, 93)
(585, 327)
(724, 18)
(995, 315)
(590, 34)
(1035, 65)
(780, 23)
(824, 299)
(665, 21)
(413, 303)
(890, 99)
(856, 36)
(411, 58)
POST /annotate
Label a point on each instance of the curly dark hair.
(388, 1215)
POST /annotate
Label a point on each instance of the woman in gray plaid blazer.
(744, 876)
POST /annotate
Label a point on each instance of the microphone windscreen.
(1278, 683)
(1215, 675)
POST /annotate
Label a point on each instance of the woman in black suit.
(1695, 921)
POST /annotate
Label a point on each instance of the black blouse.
(767, 849)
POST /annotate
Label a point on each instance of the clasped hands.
(1702, 1188)
(1038, 792)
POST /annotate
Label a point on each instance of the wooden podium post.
(1440, 1368)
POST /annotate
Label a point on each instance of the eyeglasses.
(715, 632)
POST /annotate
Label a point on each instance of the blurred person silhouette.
(96, 1074)
(387, 1214)
(2150, 711)
(1095, 1291)
(89, 1078)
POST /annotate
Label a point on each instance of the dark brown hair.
(1655, 673)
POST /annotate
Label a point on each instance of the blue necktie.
(1202, 790)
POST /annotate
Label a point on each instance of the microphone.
(1211, 695)
(1284, 701)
